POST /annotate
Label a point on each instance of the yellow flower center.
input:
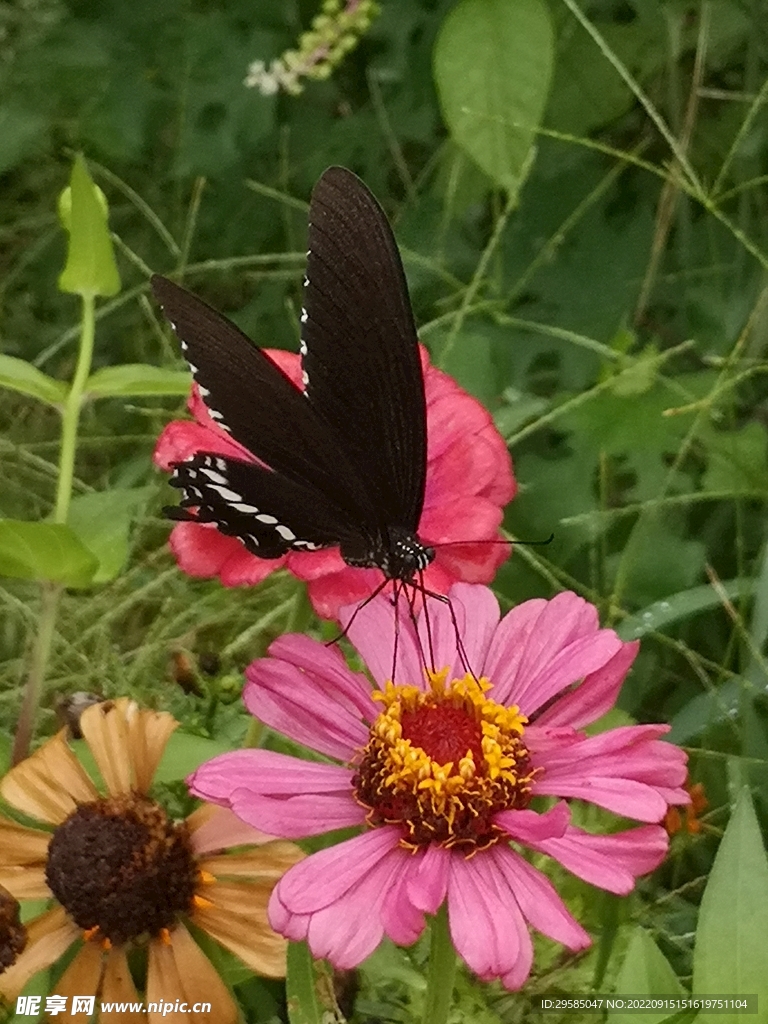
(442, 763)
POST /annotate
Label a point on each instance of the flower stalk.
(442, 970)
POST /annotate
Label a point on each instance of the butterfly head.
(403, 556)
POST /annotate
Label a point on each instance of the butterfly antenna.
(527, 543)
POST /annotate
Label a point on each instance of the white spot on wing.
(285, 533)
(264, 518)
(226, 494)
(241, 506)
(217, 478)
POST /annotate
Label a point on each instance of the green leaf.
(731, 954)
(45, 551)
(22, 131)
(185, 753)
(136, 380)
(21, 376)
(303, 1007)
(492, 64)
(102, 521)
(90, 267)
(680, 606)
(645, 971)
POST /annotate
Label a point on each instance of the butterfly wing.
(251, 398)
(269, 513)
(360, 348)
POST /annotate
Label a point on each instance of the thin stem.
(71, 415)
(50, 592)
(49, 602)
(442, 970)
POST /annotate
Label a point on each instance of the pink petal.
(223, 830)
(278, 794)
(626, 770)
(428, 884)
(584, 655)
(610, 862)
(473, 615)
(507, 648)
(487, 927)
(537, 898)
(203, 552)
(372, 632)
(297, 817)
(596, 695)
(266, 772)
(328, 875)
(317, 706)
(338, 901)
(403, 922)
(529, 826)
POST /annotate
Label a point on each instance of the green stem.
(49, 601)
(50, 592)
(442, 969)
(70, 419)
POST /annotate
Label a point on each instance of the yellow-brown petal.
(49, 784)
(237, 918)
(265, 863)
(26, 883)
(148, 739)
(105, 729)
(96, 968)
(20, 845)
(48, 938)
(180, 970)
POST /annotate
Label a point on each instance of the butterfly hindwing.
(360, 348)
(270, 514)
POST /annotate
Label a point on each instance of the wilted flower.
(122, 873)
(441, 773)
(469, 481)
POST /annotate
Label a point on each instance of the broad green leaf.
(185, 753)
(492, 64)
(45, 551)
(19, 375)
(645, 971)
(707, 709)
(102, 521)
(90, 267)
(136, 380)
(731, 954)
(680, 606)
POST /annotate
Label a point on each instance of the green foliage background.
(610, 311)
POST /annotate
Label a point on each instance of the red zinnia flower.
(440, 773)
(469, 481)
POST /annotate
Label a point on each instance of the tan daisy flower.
(121, 872)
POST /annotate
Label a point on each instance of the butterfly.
(344, 461)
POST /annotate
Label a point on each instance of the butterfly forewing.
(248, 395)
(360, 349)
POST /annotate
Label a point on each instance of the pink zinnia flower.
(440, 773)
(469, 481)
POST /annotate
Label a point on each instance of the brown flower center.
(13, 934)
(442, 763)
(122, 866)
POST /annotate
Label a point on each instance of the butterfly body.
(340, 461)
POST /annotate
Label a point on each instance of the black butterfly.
(344, 461)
